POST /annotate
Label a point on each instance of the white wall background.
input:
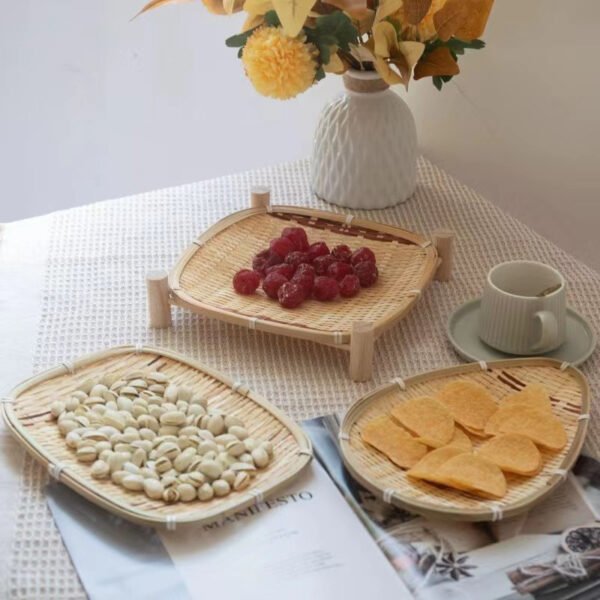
(94, 106)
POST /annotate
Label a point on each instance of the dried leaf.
(387, 73)
(157, 4)
(439, 62)
(474, 25)
(252, 21)
(335, 65)
(415, 10)
(412, 52)
(362, 54)
(385, 39)
(385, 8)
(448, 20)
(292, 14)
(258, 7)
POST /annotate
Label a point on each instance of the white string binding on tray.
(258, 495)
(583, 417)
(388, 494)
(562, 473)
(252, 323)
(269, 208)
(343, 436)
(69, 367)
(139, 348)
(399, 382)
(54, 470)
(564, 366)
(497, 512)
(349, 219)
(239, 388)
(337, 337)
(426, 244)
(171, 522)
(483, 365)
(305, 452)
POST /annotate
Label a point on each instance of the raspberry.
(282, 246)
(362, 255)
(342, 253)
(325, 289)
(286, 270)
(298, 237)
(349, 286)
(338, 270)
(246, 281)
(322, 263)
(305, 277)
(264, 260)
(367, 273)
(290, 295)
(297, 258)
(317, 249)
(272, 282)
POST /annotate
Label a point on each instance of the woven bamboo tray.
(201, 281)
(570, 400)
(26, 412)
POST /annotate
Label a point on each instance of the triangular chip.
(427, 419)
(513, 453)
(541, 427)
(470, 403)
(428, 467)
(461, 440)
(471, 473)
(534, 395)
(393, 441)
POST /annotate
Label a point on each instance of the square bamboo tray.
(569, 392)
(27, 414)
(201, 280)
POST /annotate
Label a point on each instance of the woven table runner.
(95, 298)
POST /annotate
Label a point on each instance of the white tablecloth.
(73, 282)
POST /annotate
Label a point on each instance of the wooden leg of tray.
(362, 345)
(443, 240)
(159, 308)
(260, 197)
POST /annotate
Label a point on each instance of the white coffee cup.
(524, 308)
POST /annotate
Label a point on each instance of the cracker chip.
(534, 395)
(540, 426)
(429, 465)
(393, 441)
(461, 440)
(470, 403)
(472, 473)
(427, 419)
(513, 453)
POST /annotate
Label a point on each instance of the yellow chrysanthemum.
(277, 65)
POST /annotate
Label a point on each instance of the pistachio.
(57, 408)
(205, 447)
(241, 433)
(174, 417)
(163, 464)
(221, 487)
(241, 481)
(187, 492)
(133, 482)
(72, 439)
(117, 476)
(171, 393)
(157, 377)
(86, 454)
(66, 426)
(260, 457)
(205, 492)
(211, 468)
(72, 403)
(250, 444)
(232, 421)
(228, 476)
(267, 447)
(100, 470)
(153, 488)
(183, 461)
(236, 448)
(170, 495)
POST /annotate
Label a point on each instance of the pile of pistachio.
(148, 434)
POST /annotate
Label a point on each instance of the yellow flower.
(277, 65)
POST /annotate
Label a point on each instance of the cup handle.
(548, 330)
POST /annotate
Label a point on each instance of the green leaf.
(271, 19)
(239, 40)
(320, 74)
(333, 30)
(438, 82)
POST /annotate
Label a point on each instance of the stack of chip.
(432, 437)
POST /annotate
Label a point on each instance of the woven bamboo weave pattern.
(568, 398)
(40, 433)
(404, 270)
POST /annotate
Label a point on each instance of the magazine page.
(550, 553)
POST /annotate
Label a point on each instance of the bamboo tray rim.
(467, 514)
(180, 297)
(78, 483)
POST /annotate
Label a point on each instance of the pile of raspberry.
(293, 270)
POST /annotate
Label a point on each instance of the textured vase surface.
(365, 147)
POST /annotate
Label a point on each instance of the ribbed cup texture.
(365, 151)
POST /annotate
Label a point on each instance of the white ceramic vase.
(365, 147)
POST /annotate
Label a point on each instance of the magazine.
(328, 537)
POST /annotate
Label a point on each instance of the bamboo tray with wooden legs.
(27, 414)
(570, 396)
(201, 280)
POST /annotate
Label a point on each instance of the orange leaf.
(437, 63)
(477, 17)
(415, 10)
(448, 20)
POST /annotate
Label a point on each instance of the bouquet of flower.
(286, 46)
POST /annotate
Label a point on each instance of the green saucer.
(463, 333)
